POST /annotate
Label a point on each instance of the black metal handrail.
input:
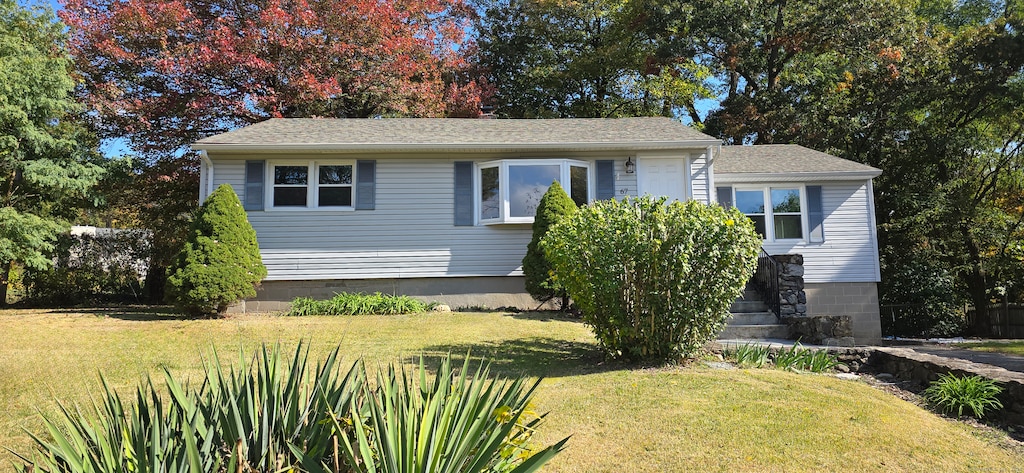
(766, 278)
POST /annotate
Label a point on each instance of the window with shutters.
(311, 185)
(509, 191)
(778, 212)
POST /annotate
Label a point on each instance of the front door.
(662, 177)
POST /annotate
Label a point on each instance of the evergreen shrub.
(653, 279)
(541, 283)
(220, 263)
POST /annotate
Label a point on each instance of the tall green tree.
(48, 162)
(587, 58)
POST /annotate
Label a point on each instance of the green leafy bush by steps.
(220, 263)
(541, 283)
(357, 304)
(653, 279)
(272, 415)
(954, 394)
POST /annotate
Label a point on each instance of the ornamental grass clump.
(975, 394)
(220, 263)
(653, 279)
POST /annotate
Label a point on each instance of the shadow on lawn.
(537, 357)
(129, 313)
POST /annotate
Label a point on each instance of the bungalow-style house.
(441, 208)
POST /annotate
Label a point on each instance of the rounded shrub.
(653, 279)
(220, 263)
(541, 283)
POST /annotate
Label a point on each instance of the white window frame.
(769, 211)
(312, 185)
(503, 165)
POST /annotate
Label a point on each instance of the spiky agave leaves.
(249, 417)
(267, 416)
(454, 422)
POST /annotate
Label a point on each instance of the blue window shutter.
(254, 171)
(605, 179)
(366, 185)
(463, 193)
(724, 196)
(815, 215)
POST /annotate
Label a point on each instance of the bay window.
(509, 191)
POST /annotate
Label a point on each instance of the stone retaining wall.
(909, 365)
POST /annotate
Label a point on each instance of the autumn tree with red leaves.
(165, 73)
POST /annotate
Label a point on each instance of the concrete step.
(753, 318)
(750, 295)
(745, 306)
(756, 332)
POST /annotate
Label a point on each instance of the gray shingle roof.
(438, 132)
(760, 159)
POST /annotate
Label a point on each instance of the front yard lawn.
(1010, 348)
(621, 418)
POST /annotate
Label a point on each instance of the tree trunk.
(5, 279)
(156, 277)
(977, 288)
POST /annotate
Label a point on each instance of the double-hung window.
(778, 212)
(510, 190)
(311, 185)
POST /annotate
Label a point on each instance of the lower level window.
(782, 220)
(510, 190)
(329, 187)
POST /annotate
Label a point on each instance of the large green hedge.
(653, 279)
(220, 263)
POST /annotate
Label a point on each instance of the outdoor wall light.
(630, 165)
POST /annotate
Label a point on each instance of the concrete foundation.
(858, 300)
(491, 292)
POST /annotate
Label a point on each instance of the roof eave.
(751, 177)
(469, 147)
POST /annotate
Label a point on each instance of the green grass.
(620, 418)
(1010, 348)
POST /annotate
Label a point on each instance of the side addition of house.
(441, 208)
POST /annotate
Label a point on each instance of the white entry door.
(662, 177)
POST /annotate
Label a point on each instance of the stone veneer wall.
(856, 300)
(492, 292)
(791, 285)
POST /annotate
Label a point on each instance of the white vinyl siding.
(625, 183)
(411, 231)
(409, 234)
(848, 252)
(700, 177)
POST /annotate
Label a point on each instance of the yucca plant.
(456, 422)
(246, 419)
(266, 416)
(956, 394)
